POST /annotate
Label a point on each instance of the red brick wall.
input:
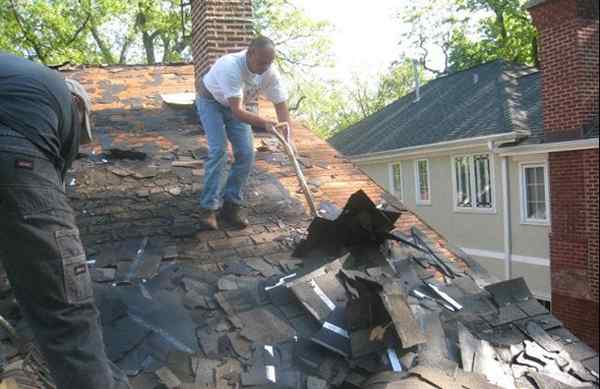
(219, 27)
(568, 50)
(568, 53)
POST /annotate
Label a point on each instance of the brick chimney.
(219, 27)
(568, 54)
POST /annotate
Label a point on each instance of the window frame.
(523, 192)
(399, 194)
(418, 199)
(472, 183)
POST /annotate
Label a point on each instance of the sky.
(365, 37)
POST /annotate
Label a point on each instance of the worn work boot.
(235, 215)
(208, 218)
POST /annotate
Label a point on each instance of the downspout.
(505, 214)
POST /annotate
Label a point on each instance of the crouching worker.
(233, 79)
(43, 120)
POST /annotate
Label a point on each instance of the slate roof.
(493, 98)
(183, 307)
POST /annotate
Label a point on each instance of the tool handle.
(290, 152)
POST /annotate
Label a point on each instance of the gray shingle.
(493, 98)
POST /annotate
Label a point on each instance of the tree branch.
(36, 46)
(79, 30)
(104, 50)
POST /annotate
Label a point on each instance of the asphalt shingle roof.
(493, 98)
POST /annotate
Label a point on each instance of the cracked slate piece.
(562, 335)
(435, 351)
(477, 304)
(544, 381)
(467, 285)
(320, 291)
(106, 274)
(180, 363)
(469, 346)
(333, 334)
(361, 343)
(547, 322)
(204, 370)
(240, 300)
(510, 292)
(504, 335)
(209, 342)
(580, 351)
(592, 364)
(533, 308)
(122, 336)
(540, 336)
(305, 325)
(404, 321)
(506, 314)
(241, 346)
(405, 271)
(263, 267)
(167, 377)
(262, 325)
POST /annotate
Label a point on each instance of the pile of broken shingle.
(367, 307)
(361, 306)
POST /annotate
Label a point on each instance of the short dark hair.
(261, 42)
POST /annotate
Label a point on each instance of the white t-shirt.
(230, 77)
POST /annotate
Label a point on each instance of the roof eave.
(437, 147)
(534, 3)
(553, 147)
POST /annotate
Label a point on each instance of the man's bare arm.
(240, 113)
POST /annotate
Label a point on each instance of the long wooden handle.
(290, 153)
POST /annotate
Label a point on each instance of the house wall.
(481, 234)
(569, 58)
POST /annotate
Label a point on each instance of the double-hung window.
(422, 182)
(473, 182)
(534, 193)
(396, 180)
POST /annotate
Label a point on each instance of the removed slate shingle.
(513, 291)
(167, 377)
(204, 370)
(263, 267)
(263, 326)
(320, 291)
(105, 274)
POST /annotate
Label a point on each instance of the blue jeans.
(219, 125)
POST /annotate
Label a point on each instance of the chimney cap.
(534, 3)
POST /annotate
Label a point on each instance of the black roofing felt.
(493, 98)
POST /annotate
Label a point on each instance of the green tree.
(470, 32)
(507, 34)
(302, 42)
(96, 31)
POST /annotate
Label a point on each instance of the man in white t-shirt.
(233, 80)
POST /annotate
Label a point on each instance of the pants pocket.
(78, 283)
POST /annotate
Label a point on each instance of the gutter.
(553, 147)
(458, 144)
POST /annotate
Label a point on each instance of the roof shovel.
(292, 156)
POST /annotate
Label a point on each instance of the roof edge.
(534, 3)
(553, 147)
(436, 147)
